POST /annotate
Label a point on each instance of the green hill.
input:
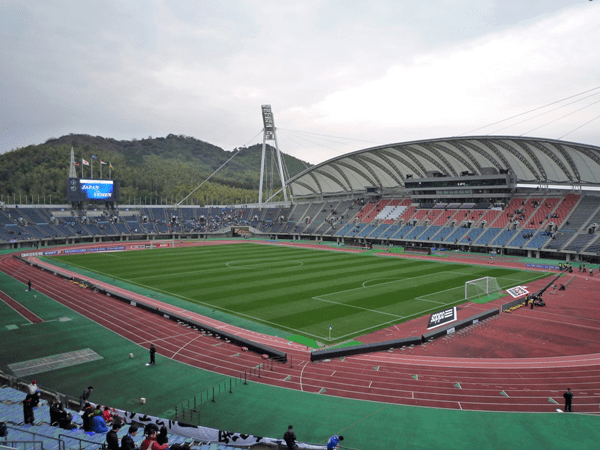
(153, 170)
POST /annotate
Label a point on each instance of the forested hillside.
(152, 170)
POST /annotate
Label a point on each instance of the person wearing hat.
(34, 392)
(32, 388)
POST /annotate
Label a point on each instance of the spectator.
(34, 392)
(106, 414)
(290, 438)
(99, 424)
(112, 439)
(149, 428)
(88, 417)
(32, 388)
(85, 396)
(127, 443)
(60, 417)
(28, 417)
(151, 444)
(162, 436)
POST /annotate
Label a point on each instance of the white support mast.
(269, 134)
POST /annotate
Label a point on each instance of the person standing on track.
(152, 354)
(568, 400)
(29, 285)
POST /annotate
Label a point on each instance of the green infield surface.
(305, 292)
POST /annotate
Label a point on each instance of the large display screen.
(85, 189)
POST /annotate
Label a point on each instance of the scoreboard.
(86, 189)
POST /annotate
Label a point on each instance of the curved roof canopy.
(532, 160)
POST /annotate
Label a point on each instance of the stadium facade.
(503, 194)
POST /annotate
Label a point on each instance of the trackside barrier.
(254, 346)
(237, 340)
(511, 305)
(364, 348)
(451, 328)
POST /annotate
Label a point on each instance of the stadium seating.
(54, 438)
(553, 223)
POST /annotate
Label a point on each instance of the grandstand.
(515, 196)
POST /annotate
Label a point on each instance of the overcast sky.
(352, 73)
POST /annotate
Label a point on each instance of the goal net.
(481, 287)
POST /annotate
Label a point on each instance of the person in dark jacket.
(112, 439)
(85, 396)
(28, 417)
(568, 396)
(290, 438)
(58, 415)
(88, 417)
(127, 443)
(152, 354)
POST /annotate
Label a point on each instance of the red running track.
(525, 355)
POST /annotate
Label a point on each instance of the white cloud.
(380, 71)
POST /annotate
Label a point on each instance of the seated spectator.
(127, 443)
(162, 437)
(99, 424)
(88, 417)
(112, 439)
(149, 428)
(107, 415)
(151, 444)
(60, 417)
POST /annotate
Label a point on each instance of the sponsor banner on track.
(48, 253)
(96, 249)
(542, 266)
(518, 291)
(442, 318)
(27, 255)
(75, 250)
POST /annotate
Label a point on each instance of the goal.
(481, 287)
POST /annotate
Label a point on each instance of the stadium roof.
(532, 160)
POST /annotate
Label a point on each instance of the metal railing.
(68, 436)
(42, 436)
(188, 410)
(16, 445)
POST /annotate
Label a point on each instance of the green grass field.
(300, 291)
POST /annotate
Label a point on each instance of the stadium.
(318, 310)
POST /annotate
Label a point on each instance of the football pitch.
(305, 292)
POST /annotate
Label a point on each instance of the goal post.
(481, 287)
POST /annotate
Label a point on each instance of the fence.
(188, 411)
